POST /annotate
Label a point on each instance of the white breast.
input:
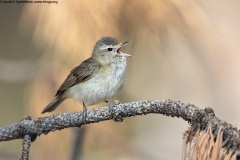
(106, 84)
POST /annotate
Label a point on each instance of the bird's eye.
(109, 49)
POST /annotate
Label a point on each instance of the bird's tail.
(54, 104)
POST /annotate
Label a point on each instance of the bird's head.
(107, 50)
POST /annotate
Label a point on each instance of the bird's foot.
(84, 113)
(110, 108)
(84, 116)
(116, 102)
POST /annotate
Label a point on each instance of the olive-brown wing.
(86, 70)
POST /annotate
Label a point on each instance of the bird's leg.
(110, 107)
(84, 112)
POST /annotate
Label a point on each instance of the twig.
(26, 147)
(198, 119)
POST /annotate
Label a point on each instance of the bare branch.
(26, 147)
(196, 117)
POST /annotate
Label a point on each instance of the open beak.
(121, 53)
(124, 43)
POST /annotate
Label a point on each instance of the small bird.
(97, 79)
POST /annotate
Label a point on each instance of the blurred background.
(182, 50)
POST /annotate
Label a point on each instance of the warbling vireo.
(97, 79)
